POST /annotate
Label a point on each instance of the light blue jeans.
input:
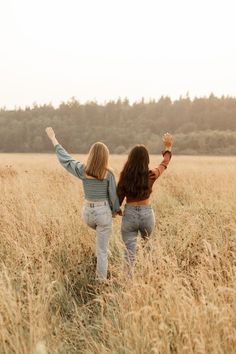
(98, 216)
(136, 219)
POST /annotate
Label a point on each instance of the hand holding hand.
(119, 212)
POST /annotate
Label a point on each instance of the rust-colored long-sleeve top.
(152, 177)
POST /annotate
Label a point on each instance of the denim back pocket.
(103, 215)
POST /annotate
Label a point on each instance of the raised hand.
(167, 140)
(50, 133)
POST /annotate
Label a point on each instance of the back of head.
(134, 176)
(97, 162)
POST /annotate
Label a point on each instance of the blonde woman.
(99, 186)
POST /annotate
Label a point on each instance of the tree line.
(205, 125)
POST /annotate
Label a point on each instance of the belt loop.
(98, 203)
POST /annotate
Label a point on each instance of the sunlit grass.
(183, 295)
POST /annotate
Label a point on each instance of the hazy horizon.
(52, 51)
(145, 100)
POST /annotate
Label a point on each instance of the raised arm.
(168, 143)
(70, 164)
(51, 134)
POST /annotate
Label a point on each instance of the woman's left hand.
(167, 140)
(119, 212)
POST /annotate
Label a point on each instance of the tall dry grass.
(183, 295)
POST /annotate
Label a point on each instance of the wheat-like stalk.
(182, 298)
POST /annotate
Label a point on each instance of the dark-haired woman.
(135, 184)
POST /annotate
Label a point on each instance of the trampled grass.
(182, 299)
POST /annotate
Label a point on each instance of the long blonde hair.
(97, 161)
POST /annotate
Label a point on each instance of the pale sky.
(51, 50)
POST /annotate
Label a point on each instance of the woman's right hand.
(50, 133)
(167, 140)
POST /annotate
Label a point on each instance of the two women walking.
(103, 199)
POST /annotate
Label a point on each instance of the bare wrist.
(54, 141)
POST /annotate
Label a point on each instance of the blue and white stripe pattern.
(94, 189)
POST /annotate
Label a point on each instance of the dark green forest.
(205, 125)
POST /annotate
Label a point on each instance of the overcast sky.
(51, 50)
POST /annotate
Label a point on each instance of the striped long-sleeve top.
(94, 189)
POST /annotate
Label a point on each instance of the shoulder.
(110, 173)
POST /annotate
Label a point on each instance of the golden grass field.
(182, 299)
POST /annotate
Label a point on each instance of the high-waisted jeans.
(136, 219)
(98, 216)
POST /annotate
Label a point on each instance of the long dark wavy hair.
(133, 180)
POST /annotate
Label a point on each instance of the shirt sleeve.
(113, 198)
(76, 168)
(157, 172)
